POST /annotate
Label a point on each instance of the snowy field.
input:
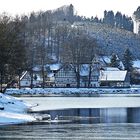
(54, 103)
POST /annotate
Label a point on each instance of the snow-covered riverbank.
(13, 110)
(72, 91)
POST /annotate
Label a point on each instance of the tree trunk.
(19, 80)
(1, 80)
(78, 76)
(43, 84)
(43, 75)
(31, 86)
(89, 77)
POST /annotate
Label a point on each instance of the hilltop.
(112, 39)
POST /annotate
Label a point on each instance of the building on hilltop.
(136, 26)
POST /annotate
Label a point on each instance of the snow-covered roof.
(122, 65)
(24, 73)
(55, 66)
(111, 69)
(136, 64)
(84, 71)
(112, 75)
(52, 57)
(50, 75)
(37, 68)
(106, 59)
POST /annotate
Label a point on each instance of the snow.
(113, 75)
(55, 66)
(107, 59)
(13, 110)
(58, 103)
(71, 91)
(84, 71)
(111, 69)
(50, 75)
(7, 118)
(23, 75)
(122, 65)
(37, 68)
(136, 64)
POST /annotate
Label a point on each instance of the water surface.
(68, 122)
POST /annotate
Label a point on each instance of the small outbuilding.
(114, 78)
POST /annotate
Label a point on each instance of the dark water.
(80, 124)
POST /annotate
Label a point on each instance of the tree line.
(42, 38)
(39, 40)
(12, 48)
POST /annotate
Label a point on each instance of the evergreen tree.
(128, 60)
(109, 18)
(114, 61)
(127, 23)
(118, 20)
(71, 13)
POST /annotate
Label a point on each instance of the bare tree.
(78, 49)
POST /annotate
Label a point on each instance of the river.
(80, 118)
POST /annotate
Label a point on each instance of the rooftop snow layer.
(84, 71)
(111, 69)
(113, 75)
(136, 64)
(54, 66)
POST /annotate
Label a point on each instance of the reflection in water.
(133, 115)
(103, 115)
(113, 115)
(89, 124)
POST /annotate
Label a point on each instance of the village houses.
(96, 74)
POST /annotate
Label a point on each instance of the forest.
(61, 36)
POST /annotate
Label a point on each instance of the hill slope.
(113, 40)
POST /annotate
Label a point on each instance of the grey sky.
(83, 7)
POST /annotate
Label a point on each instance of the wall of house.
(65, 78)
(26, 81)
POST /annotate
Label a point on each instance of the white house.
(114, 78)
(66, 76)
(136, 26)
(25, 80)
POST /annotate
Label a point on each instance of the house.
(85, 75)
(25, 80)
(65, 77)
(49, 72)
(113, 77)
(105, 61)
(89, 76)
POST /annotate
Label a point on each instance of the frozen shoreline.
(14, 110)
(73, 91)
(58, 103)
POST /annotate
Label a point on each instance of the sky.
(86, 8)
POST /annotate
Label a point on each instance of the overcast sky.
(83, 7)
